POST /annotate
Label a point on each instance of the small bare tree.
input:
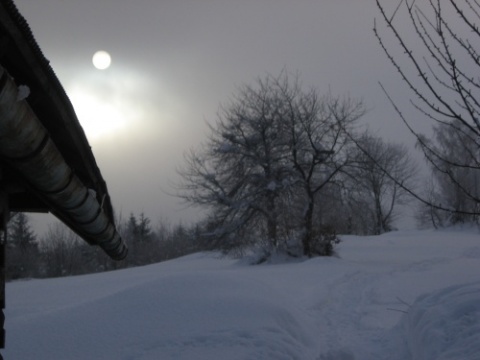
(371, 178)
(459, 195)
(60, 248)
(445, 84)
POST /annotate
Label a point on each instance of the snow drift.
(403, 295)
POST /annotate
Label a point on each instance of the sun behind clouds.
(121, 103)
(101, 60)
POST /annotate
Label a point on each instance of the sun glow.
(98, 117)
(117, 105)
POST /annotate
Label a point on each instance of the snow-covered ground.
(403, 295)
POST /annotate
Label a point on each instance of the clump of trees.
(280, 161)
(442, 75)
(60, 252)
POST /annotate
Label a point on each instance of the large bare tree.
(241, 171)
(271, 151)
(441, 70)
(317, 130)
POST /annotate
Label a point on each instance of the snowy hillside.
(403, 295)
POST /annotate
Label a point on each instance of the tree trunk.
(379, 216)
(308, 229)
(272, 231)
(272, 221)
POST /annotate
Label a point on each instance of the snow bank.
(368, 303)
(445, 325)
(186, 309)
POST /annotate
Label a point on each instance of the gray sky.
(175, 62)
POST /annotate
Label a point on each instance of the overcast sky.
(175, 61)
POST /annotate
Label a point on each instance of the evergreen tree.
(22, 258)
(21, 234)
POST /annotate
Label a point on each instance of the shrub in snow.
(323, 241)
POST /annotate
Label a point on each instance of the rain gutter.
(26, 146)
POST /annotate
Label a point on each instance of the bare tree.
(61, 250)
(316, 129)
(460, 195)
(444, 80)
(275, 145)
(239, 173)
(371, 180)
